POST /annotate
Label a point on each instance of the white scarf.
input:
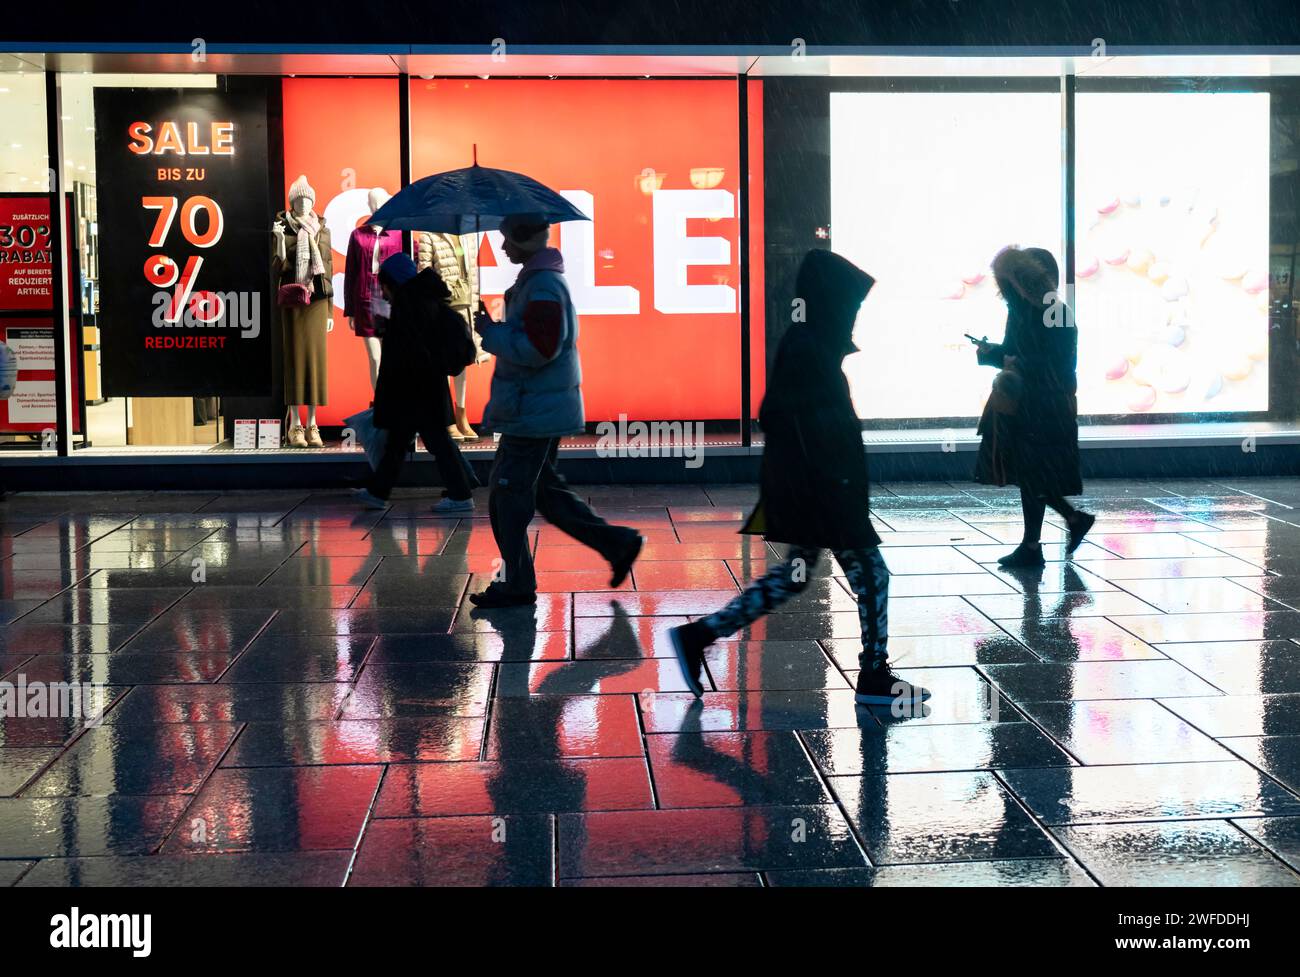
(307, 255)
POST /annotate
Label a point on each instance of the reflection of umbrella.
(475, 198)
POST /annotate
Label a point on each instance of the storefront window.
(28, 415)
(114, 419)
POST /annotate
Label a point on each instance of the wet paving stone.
(722, 769)
(1242, 667)
(301, 658)
(154, 704)
(20, 764)
(528, 786)
(11, 870)
(1036, 872)
(113, 760)
(672, 712)
(356, 741)
(1281, 836)
(779, 666)
(565, 727)
(731, 839)
(1150, 792)
(277, 809)
(427, 689)
(40, 827)
(407, 649)
(939, 817)
(1277, 756)
(932, 749)
(1123, 731)
(1240, 715)
(1052, 681)
(1200, 853)
(514, 849)
(234, 870)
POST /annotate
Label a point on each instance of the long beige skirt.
(305, 360)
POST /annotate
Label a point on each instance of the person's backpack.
(458, 349)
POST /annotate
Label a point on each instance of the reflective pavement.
(295, 691)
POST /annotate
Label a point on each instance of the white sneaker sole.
(696, 688)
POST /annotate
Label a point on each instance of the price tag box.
(246, 433)
(268, 433)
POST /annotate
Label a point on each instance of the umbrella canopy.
(475, 198)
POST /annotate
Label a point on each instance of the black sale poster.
(183, 211)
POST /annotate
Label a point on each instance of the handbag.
(373, 440)
(293, 295)
(1008, 385)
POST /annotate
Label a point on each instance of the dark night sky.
(774, 22)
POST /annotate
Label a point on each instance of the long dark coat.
(422, 338)
(814, 488)
(1037, 447)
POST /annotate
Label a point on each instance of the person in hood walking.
(536, 399)
(1030, 429)
(814, 484)
(425, 341)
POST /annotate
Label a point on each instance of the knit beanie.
(397, 270)
(300, 188)
(528, 231)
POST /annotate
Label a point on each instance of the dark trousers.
(1034, 507)
(524, 482)
(451, 467)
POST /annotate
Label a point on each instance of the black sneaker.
(1023, 556)
(689, 642)
(881, 687)
(1078, 529)
(622, 565)
(497, 596)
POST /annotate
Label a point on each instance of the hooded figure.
(814, 486)
(424, 342)
(1036, 444)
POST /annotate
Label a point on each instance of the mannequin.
(302, 256)
(457, 262)
(368, 247)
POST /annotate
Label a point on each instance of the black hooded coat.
(814, 485)
(425, 341)
(1037, 447)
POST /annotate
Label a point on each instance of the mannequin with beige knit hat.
(303, 265)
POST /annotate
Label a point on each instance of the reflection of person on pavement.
(531, 774)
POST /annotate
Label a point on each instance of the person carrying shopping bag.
(425, 341)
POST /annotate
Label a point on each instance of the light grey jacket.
(537, 381)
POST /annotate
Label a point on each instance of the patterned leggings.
(868, 578)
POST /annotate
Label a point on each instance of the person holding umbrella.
(536, 399)
(536, 395)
